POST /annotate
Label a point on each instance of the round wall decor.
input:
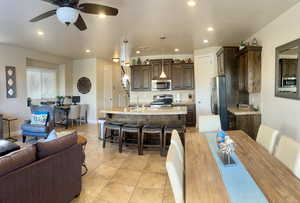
(84, 85)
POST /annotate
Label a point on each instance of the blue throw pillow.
(51, 136)
(39, 118)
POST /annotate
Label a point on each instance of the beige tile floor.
(122, 178)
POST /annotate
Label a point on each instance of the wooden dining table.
(203, 181)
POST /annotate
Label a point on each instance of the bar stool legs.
(152, 130)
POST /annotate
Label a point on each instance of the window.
(41, 83)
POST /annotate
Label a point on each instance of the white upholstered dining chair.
(74, 113)
(175, 169)
(288, 152)
(83, 113)
(209, 123)
(267, 137)
(176, 141)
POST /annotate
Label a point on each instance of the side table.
(83, 141)
(9, 120)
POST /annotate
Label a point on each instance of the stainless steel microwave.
(161, 85)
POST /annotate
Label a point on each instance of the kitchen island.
(148, 115)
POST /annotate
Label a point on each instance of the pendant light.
(163, 74)
(125, 64)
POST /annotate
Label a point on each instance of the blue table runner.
(238, 182)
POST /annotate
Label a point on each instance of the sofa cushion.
(45, 149)
(7, 147)
(34, 128)
(17, 159)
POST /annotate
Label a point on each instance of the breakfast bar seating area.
(152, 127)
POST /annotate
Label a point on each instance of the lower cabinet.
(191, 114)
(248, 123)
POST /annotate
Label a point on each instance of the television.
(76, 99)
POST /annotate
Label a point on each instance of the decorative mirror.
(288, 70)
(84, 85)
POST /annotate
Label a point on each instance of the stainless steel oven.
(160, 85)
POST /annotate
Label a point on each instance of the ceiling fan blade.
(98, 9)
(43, 16)
(80, 24)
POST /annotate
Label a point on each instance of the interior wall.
(279, 113)
(86, 68)
(15, 56)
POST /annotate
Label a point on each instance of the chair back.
(74, 112)
(209, 123)
(44, 108)
(267, 137)
(83, 110)
(288, 152)
(175, 169)
(176, 141)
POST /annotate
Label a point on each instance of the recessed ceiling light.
(210, 29)
(138, 52)
(176, 50)
(205, 41)
(88, 51)
(102, 15)
(191, 3)
(40, 33)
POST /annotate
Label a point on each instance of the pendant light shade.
(163, 74)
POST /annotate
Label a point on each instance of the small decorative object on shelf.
(139, 61)
(226, 146)
(133, 62)
(243, 44)
(254, 42)
(190, 60)
(147, 62)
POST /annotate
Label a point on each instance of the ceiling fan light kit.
(67, 15)
(68, 12)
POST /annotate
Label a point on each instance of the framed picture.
(11, 82)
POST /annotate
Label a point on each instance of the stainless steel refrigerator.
(219, 99)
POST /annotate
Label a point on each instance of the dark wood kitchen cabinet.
(250, 69)
(141, 77)
(182, 76)
(228, 67)
(248, 123)
(190, 119)
(157, 68)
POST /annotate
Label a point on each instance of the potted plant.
(29, 100)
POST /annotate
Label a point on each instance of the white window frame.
(42, 88)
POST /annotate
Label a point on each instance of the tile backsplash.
(147, 97)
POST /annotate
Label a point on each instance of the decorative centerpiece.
(226, 146)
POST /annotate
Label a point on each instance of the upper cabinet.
(228, 66)
(181, 75)
(250, 69)
(141, 78)
(157, 68)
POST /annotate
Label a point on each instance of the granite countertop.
(179, 110)
(243, 111)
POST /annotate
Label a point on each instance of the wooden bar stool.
(131, 128)
(152, 129)
(108, 128)
(168, 132)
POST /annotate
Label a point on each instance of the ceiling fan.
(68, 12)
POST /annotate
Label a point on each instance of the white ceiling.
(142, 21)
